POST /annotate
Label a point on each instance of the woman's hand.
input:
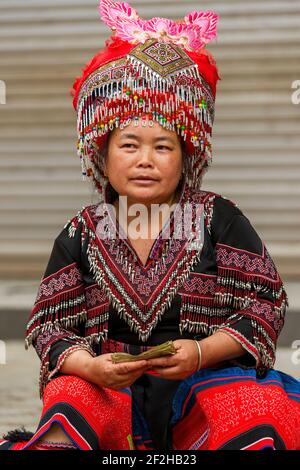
(179, 366)
(104, 373)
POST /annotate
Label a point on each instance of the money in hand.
(165, 349)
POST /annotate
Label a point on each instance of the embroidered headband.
(156, 70)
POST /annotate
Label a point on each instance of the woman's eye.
(163, 147)
(128, 145)
(160, 147)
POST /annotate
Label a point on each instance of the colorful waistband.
(110, 346)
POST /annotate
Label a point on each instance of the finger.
(131, 375)
(163, 362)
(167, 372)
(126, 382)
(135, 375)
(128, 367)
(128, 378)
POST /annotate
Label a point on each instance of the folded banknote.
(164, 349)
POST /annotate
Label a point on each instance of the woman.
(196, 273)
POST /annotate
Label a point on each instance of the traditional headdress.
(157, 69)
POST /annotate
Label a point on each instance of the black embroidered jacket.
(96, 288)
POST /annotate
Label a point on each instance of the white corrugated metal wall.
(44, 45)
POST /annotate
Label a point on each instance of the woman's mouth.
(142, 180)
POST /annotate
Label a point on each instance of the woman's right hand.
(104, 373)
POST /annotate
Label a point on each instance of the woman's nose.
(145, 157)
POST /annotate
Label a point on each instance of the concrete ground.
(19, 397)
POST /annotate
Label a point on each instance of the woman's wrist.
(219, 348)
(199, 355)
(79, 363)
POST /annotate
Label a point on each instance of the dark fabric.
(154, 397)
(56, 350)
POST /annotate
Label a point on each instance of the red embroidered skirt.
(227, 408)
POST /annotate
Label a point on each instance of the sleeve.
(248, 283)
(55, 326)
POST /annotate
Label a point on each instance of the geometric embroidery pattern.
(250, 263)
(163, 58)
(68, 276)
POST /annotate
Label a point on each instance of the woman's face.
(138, 151)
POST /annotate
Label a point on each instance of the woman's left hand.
(180, 365)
